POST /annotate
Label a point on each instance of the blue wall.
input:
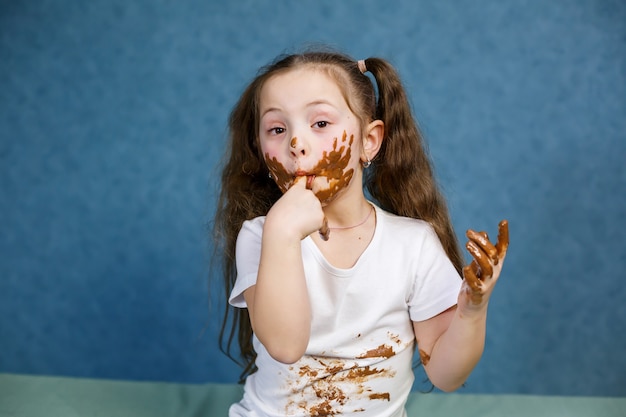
(112, 122)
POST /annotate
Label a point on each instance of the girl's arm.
(278, 304)
(451, 343)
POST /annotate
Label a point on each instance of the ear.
(372, 140)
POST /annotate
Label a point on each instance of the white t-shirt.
(359, 357)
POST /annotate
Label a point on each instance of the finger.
(481, 258)
(482, 240)
(503, 238)
(470, 274)
(298, 180)
(325, 230)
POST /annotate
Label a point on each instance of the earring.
(269, 175)
(366, 164)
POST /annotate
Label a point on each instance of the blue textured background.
(112, 122)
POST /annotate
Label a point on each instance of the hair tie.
(361, 65)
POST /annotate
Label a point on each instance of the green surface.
(23, 395)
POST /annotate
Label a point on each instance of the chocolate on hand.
(486, 257)
(325, 230)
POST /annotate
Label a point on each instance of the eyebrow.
(318, 102)
(311, 104)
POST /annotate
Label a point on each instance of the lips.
(309, 178)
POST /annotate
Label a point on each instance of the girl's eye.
(321, 124)
(277, 130)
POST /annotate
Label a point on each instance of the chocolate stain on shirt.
(382, 351)
(328, 383)
(380, 396)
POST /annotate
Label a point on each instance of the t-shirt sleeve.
(247, 255)
(437, 283)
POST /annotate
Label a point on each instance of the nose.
(298, 147)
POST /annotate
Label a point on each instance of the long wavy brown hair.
(400, 179)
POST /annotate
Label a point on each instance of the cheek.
(335, 167)
(283, 179)
(268, 148)
(336, 158)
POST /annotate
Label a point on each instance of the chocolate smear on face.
(283, 179)
(332, 166)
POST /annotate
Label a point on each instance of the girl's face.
(307, 129)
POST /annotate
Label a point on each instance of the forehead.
(299, 87)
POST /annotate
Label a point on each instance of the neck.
(361, 222)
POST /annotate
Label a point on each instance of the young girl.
(331, 290)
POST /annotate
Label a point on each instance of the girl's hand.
(482, 273)
(297, 211)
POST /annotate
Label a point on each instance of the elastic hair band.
(362, 67)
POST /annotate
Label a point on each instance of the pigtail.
(401, 178)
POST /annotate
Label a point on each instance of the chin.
(326, 196)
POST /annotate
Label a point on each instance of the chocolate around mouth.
(333, 166)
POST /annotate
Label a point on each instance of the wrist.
(276, 229)
(468, 311)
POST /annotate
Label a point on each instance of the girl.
(332, 291)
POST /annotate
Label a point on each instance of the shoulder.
(252, 226)
(250, 235)
(413, 237)
(400, 226)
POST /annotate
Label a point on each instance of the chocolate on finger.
(474, 283)
(481, 259)
(482, 239)
(503, 238)
(470, 273)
